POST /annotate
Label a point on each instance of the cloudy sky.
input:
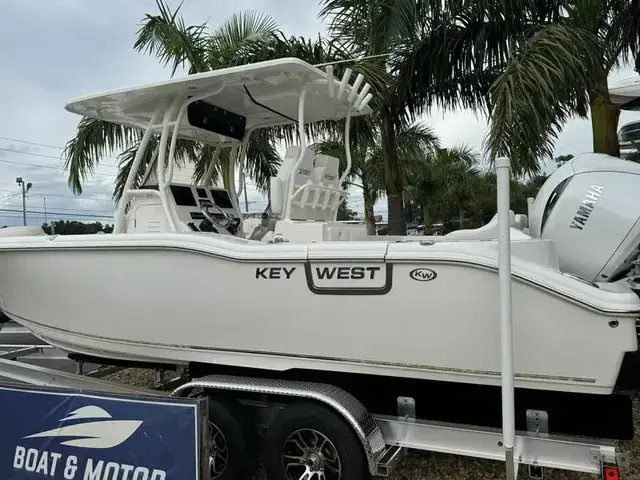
(56, 50)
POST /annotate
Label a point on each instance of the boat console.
(197, 208)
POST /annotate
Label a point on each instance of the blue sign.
(58, 434)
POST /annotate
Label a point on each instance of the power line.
(253, 188)
(40, 212)
(45, 166)
(47, 194)
(37, 165)
(72, 210)
(36, 144)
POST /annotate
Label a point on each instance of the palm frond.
(203, 159)
(126, 161)
(168, 38)
(621, 36)
(186, 151)
(93, 140)
(416, 139)
(543, 84)
(240, 38)
(262, 160)
(462, 47)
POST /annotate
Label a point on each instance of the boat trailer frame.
(386, 439)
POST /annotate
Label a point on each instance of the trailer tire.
(233, 438)
(292, 433)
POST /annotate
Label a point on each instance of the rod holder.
(331, 81)
(361, 95)
(344, 82)
(355, 87)
(365, 102)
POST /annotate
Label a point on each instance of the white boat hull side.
(183, 305)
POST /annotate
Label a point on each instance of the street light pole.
(25, 188)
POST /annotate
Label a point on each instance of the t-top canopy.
(265, 94)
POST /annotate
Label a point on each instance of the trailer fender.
(356, 415)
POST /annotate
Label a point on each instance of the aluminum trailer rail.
(400, 433)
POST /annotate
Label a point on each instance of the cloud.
(60, 50)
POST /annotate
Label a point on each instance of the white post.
(208, 175)
(137, 160)
(303, 147)
(503, 174)
(161, 162)
(530, 201)
(231, 175)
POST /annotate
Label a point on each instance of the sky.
(54, 51)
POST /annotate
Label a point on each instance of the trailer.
(315, 430)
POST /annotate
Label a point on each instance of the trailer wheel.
(231, 441)
(308, 441)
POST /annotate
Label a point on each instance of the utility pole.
(44, 200)
(25, 188)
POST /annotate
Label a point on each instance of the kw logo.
(422, 274)
(97, 434)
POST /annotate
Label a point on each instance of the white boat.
(182, 279)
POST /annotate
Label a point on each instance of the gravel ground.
(137, 377)
(433, 466)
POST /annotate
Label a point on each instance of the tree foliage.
(530, 65)
(73, 227)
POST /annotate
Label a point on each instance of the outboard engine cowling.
(590, 206)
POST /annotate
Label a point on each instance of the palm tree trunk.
(392, 179)
(369, 218)
(426, 216)
(604, 122)
(369, 196)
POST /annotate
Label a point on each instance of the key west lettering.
(274, 273)
(346, 273)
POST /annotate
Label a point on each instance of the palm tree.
(445, 177)
(382, 31)
(243, 38)
(532, 64)
(413, 142)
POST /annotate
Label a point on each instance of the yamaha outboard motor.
(590, 206)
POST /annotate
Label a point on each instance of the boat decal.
(274, 273)
(325, 278)
(346, 273)
(103, 433)
(586, 207)
(422, 274)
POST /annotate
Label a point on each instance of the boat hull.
(171, 299)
